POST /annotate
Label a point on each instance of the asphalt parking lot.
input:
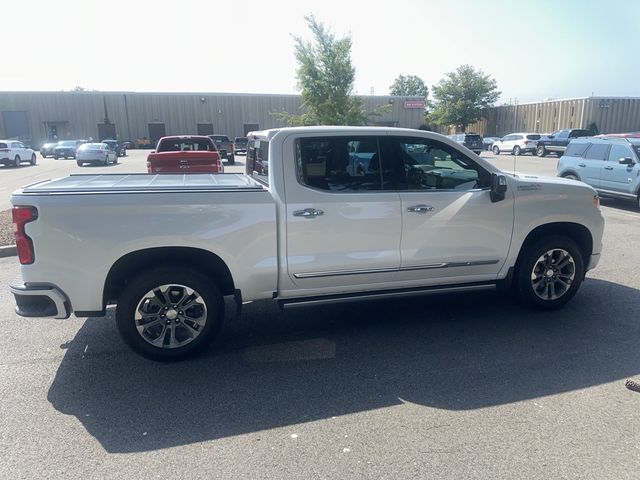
(464, 386)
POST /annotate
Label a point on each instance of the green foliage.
(325, 78)
(463, 97)
(593, 128)
(409, 86)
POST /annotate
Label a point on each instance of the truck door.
(342, 227)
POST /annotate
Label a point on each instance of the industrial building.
(37, 117)
(607, 114)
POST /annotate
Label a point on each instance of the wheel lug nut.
(162, 316)
(166, 308)
(180, 312)
(168, 322)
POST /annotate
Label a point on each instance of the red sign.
(414, 104)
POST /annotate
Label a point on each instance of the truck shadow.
(272, 369)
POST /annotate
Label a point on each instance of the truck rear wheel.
(170, 313)
(541, 151)
(550, 272)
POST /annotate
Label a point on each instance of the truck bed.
(143, 182)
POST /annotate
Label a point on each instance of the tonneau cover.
(136, 182)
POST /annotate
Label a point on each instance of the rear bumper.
(40, 301)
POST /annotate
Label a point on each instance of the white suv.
(13, 152)
(516, 143)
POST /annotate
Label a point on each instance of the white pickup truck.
(324, 214)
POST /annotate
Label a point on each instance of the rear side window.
(185, 145)
(597, 151)
(576, 149)
(257, 162)
(533, 137)
(3, 145)
(339, 164)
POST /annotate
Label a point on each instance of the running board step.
(381, 294)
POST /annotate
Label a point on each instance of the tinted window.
(219, 138)
(424, 164)
(576, 149)
(579, 133)
(184, 145)
(339, 164)
(619, 151)
(3, 145)
(562, 134)
(472, 138)
(518, 137)
(533, 137)
(597, 151)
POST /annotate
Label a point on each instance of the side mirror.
(498, 187)
(626, 161)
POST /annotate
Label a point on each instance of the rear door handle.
(422, 209)
(608, 168)
(308, 213)
(581, 165)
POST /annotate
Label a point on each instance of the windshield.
(91, 146)
(219, 138)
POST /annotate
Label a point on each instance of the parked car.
(13, 152)
(516, 144)
(67, 148)
(95, 153)
(240, 145)
(129, 145)
(610, 165)
(557, 142)
(472, 141)
(619, 135)
(167, 248)
(224, 146)
(117, 147)
(185, 154)
(487, 142)
(47, 149)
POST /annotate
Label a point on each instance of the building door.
(16, 125)
(251, 127)
(205, 129)
(156, 132)
(106, 131)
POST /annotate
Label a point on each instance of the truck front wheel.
(170, 313)
(550, 272)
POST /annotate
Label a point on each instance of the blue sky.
(534, 49)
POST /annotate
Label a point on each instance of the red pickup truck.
(185, 154)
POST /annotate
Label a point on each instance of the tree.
(409, 86)
(325, 78)
(463, 97)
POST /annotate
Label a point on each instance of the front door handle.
(608, 168)
(581, 165)
(420, 209)
(308, 213)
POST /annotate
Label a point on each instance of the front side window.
(619, 151)
(425, 164)
(339, 164)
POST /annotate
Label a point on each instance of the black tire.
(34, 160)
(106, 160)
(55, 158)
(495, 150)
(231, 160)
(571, 176)
(541, 151)
(17, 161)
(531, 259)
(135, 292)
(517, 150)
(116, 160)
(79, 163)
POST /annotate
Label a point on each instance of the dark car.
(116, 147)
(47, 149)
(472, 141)
(67, 148)
(240, 145)
(557, 141)
(224, 146)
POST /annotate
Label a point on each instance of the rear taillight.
(526, 142)
(24, 245)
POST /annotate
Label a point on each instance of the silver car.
(95, 153)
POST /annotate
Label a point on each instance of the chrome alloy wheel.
(171, 316)
(553, 274)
